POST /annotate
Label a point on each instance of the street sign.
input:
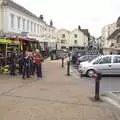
(24, 34)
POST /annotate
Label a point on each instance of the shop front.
(7, 46)
(16, 45)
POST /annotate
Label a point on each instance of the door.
(104, 65)
(116, 65)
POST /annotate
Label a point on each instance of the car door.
(104, 65)
(116, 65)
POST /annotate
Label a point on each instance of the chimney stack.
(79, 28)
(51, 23)
(41, 17)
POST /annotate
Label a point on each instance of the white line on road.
(115, 103)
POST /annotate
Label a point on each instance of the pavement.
(55, 97)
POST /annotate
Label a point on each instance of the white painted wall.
(44, 32)
(60, 38)
(106, 32)
(82, 39)
(7, 24)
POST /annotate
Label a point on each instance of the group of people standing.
(29, 64)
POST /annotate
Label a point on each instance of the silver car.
(105, 64)
(86, 58)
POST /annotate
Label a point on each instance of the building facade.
(92, 42)
(16, 20)
(63, 37)
(106, 32)
(114, 40)
(78, 38)
(51, 36)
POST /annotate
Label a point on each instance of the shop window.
(63, 47)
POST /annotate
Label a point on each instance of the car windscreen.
(83, 58)
(91, 58)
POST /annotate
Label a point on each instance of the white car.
(105, 64)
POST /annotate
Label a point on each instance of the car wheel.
(90, 73)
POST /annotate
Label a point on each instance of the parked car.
(105, 64)
(57, 54)
(85, 58)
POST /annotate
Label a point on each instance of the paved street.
(107, 84)
(56, 97)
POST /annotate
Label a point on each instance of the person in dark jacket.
(34, 65)
(31, 65)
(20, 62)
(26, 66)
(12, 64)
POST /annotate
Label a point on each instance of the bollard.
(62, 62)
(68, 68)
(98, 77)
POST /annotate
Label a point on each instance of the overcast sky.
(68, 14)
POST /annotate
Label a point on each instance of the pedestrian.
(31, 65)
(38, 64)
(20, 62)
(34, 65)
(12, 64)
(26, 66)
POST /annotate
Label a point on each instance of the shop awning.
(28, 39)
(8, 41)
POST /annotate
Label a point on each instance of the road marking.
(115, 103)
